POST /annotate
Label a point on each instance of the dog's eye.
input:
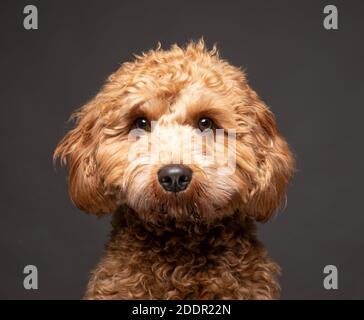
(205, 123)
(142, 123)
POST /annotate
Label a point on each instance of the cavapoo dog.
(183, 227)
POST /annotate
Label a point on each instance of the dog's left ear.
(77, 151)
(274, 161)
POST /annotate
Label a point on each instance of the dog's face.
(143, 142)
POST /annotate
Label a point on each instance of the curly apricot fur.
(200, 243)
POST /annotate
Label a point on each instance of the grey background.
(311, 78)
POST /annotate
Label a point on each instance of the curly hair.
(199, 243)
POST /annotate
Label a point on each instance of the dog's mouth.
(182, 207)
(179, 194)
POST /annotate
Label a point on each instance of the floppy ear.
(77, 151)
(274, 161)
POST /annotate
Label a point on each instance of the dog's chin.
(180, 210)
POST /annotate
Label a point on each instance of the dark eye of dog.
(205, 123)
(142, 123)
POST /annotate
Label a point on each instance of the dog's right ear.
(77, 151)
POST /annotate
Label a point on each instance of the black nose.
(174, 178)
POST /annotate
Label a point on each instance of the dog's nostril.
(174, 178)
(166, 180)
(184, 179)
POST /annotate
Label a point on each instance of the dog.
(180, 230)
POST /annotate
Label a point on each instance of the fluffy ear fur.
(274, 165)
(77, 151)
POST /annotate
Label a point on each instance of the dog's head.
(177, 134)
